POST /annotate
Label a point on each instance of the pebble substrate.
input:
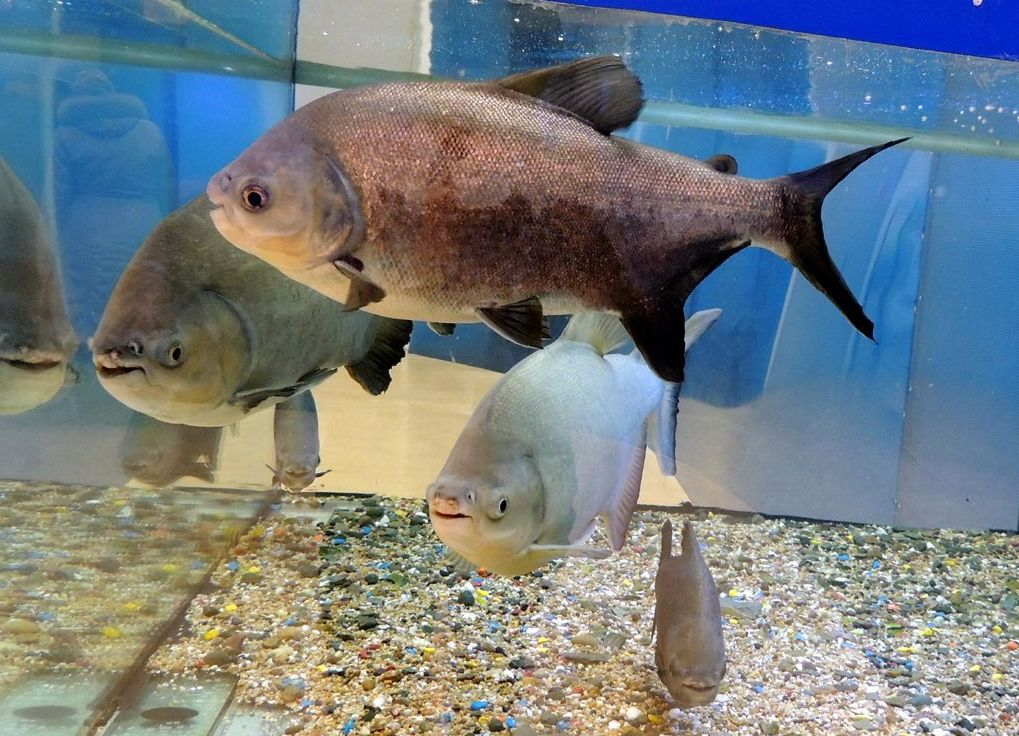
(360, 626)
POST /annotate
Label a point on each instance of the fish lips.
(112, 365)
(691, 695)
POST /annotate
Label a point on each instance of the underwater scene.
(480, 366)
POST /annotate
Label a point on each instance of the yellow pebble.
(132, 606)
(472, 663)
(927, 632)
(210, 634)
(734, 621)
(254, 568)
(400, 512)
(428, 651)
(112, 632)
(996, 629)
(733, 593)
(483, 720)
(230, 607)
(906, 650)
(654, 719)
(951, 562)
(997, 677)
(170, 567)
(542, 650)
(321, 668)
(975, 668)
(543, 639)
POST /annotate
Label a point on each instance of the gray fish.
(36, 338)
(160, 454)
(198, 333)
(559, 441)
(295, 426)
(506, 200)
(689, 647)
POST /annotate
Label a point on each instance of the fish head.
(296, 476)
(693, 687)
(489, 518)
(179, 369)
(286, 202)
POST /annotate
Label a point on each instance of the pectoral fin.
(254, 398)
(442, 328)
(521, 322)
(551, 551)
(622, 506)
(460, 564)
(361, 291)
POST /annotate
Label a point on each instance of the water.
(117, 113)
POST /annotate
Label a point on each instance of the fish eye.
(175, 354)
(503, 505)
(254, 197)
(469, 496)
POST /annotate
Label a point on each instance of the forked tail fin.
(802, 238)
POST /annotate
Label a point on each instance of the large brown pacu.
(502, 201)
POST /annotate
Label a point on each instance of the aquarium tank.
(509, 366)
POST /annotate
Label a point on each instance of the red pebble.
(1012, 645)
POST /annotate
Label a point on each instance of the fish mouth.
(114, 372)
(31, 366)
(442, 515)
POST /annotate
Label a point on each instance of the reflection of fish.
(560, 440)
(498, 201)
(36, 339)
(296, 431)
(199, 333)
(159, 454)
(689, 649)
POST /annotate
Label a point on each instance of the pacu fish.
(160, 454)
(505, 200)
(295, 426)
(689, 647)
(37, 341)
(557, 442)
(198, 333)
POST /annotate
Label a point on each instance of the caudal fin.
(802, 238)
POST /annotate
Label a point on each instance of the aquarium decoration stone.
(830, 629)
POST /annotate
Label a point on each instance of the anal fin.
(658, 335)
(521, 322)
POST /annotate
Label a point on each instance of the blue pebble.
(383, 565)
(800, 636)
(479, 705)
(348, 726)
(338, 540)
(305, 702)
(410, 650)
(511, 722)
(446, 717)
(758, 688)
(233, 565)
(46, 616)
(365, 531)
(843, 557)
(563, 725)
(197, 565)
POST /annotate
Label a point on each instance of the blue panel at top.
(956, 26)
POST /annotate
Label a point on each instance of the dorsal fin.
(599, 89)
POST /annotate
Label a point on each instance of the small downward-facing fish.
(295, 427)
(198, 333)
(558, 441)
(505, 200)
(36, 338)
(689, 647)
